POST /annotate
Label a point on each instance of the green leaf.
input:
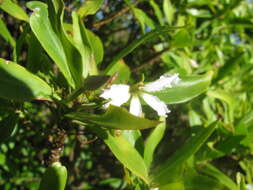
(43, 30)
(89, 7)
(82, 42)
(152, 141)
(174, 186)
(115, 118)
(158, 12)
(181, 39)
(169, 11)
(188, 88)
(225, 97)
(195, 181)
(154, 33)
(6, 34)
(121, 70)
(125, 153)
(16, 83)
(143, 18)
(96, 46)
(245, 128)
(7, 126)
(90, 83)
(13, 9)
(160, 175)
(219, 176)
(202, 13)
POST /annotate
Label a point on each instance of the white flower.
(119, 94)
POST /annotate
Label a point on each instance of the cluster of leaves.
(56, 58)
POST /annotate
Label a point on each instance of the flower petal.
(165, 81)
(117, 93)
(135, 106)
(159, 106)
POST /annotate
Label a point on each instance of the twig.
(115, 15)
(107, 20)
(151, 61)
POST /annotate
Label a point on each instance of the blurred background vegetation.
(216, 35)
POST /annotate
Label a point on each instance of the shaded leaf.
(125, 153)
(7, 126)
(16, 83)
(160, 175)
(6, 34)
(115, 118)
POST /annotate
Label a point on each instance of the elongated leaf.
(195, 181)
(89, 7)
(13, 9)
(153, 140)
(186, 89)
(43, 30)
(143, 18)
(168, 11)
(56, 9)
(219, 176)
(16, 83)
(125, 153)
(154, 33)
(6, 34)
(82, 42)
(115, 118)
(160, 175)
(96, 46)
(158, 12)
(7, 126)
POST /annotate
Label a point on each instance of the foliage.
(57, 57)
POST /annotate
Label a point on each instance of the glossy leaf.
(160, 175)
(96, 46)
(82, 42)
(152, 142)
(16, 83)
(115, 118)
(89, 7)
(6, 34)
(125, 153)
(43, 30)
(14, 10)
(186, 89)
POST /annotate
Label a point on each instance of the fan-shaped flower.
(119, 94)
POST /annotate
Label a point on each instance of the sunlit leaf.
(14, 10)
(186, 89)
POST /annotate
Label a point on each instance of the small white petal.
(135, 106)
(159, 106)
(165, 81)
(117, 93)
(249, 187)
